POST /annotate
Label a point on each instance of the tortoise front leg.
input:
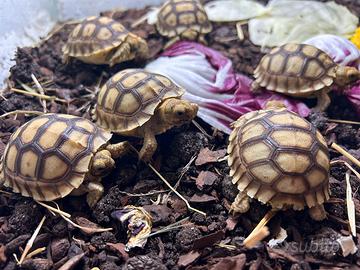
(95, 192)
(102, 163)
(119, 149)
(149, 146)
(323, 101)
(241, 204)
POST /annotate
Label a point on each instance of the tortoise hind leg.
(95, 192)
(241, 204)
(123, 53)
(255, 87)
(317, 213)
(171, 42)
(323, 101)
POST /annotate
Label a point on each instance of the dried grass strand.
(344, 121)
(345, 153)
(347, 165)
(253, 237)
(176, 192)
(31, 241)
(200, 128)
(55, 210)
(35, 252)
(46, 97)
(20, 112)
(67, 216)
(41, 91)
(350, 205)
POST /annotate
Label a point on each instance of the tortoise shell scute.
(49, 156)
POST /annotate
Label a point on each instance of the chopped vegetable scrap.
(353, 94)
(296, 21)
(139, 224)
(344, 53)
(340, 49)
(284, 21)
(234, 10)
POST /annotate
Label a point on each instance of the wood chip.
(204, 198)
(89, 227)
(71, 263)
(120, 249)
(205, 178)
(231, 223)
(275, 253)
(347, 245)
(230, 263)
(186, 259)
(3, 257)
(208, 240)
(207, 156)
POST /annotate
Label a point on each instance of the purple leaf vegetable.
(345, 53)
(341, 50)
(353, 94)
(210, 81)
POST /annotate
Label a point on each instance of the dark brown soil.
(194, 246)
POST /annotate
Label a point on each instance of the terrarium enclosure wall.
(24, 22)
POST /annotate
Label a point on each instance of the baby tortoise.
(183, 19)
(102, 40)
(301, 70)
(279, 158)
(138, 103)
(54, 155)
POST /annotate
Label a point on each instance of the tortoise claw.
(95, 192)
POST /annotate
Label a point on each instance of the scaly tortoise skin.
(279, 158)
(102, 40)
(138, 103)
(301, 70)
(55, 154)
(183, 19)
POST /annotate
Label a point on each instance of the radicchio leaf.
(210, 81)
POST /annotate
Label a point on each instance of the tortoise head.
(275, 104)
(102, 163)
(346, 75)
(176, 112)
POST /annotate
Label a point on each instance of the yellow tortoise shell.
(130, 97)
(279, 158)
(177, 16)
(295, 69)
(49, 156)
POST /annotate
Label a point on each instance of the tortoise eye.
(179, 113)
(353, 77)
